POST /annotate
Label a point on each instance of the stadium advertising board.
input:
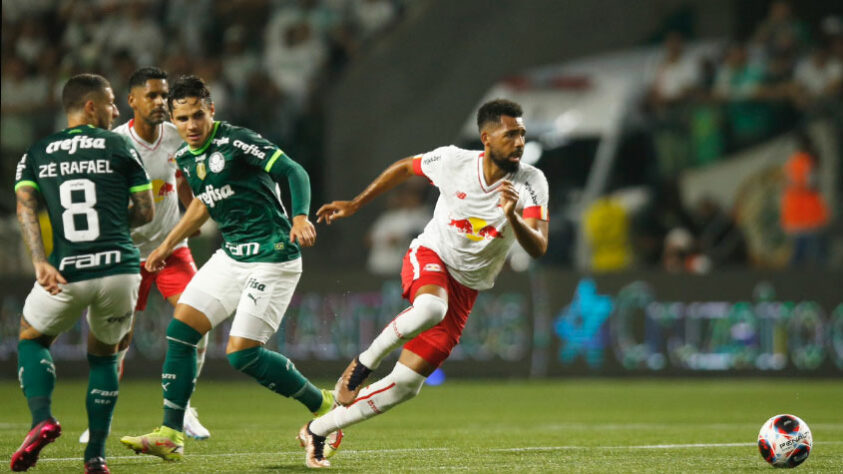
(543, 323)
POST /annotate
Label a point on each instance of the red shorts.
(423, 267)
(179, 268)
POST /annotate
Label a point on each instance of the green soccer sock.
(178, 376)
(102, 397)
(37, 376)
(277, 373)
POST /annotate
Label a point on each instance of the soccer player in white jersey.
(488, 200)
(157, 140)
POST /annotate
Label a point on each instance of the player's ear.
(484, 136)
(90, 108)
(131, 100)
(211, 109)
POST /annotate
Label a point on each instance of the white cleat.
(192, 427)
(85, 436)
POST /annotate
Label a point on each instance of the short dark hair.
(491, 112)
(78, 88)
(144, 74)
(189, 86)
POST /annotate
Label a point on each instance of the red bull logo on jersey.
(160, 189)
(476, 229)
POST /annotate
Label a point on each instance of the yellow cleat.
(164, 442)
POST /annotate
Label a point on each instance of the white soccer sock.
(402, 384)
(201, 348)
(427, 311)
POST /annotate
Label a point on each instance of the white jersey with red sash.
(469, 231)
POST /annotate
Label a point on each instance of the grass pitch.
(586, 425)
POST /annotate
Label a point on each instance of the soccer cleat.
(192, 427)
(85, 436)
(328, 403)
(332, 443)
(333, 440)
(314, 448)
(96, 466)
(41, 435)
(164, 442)
(351, 381)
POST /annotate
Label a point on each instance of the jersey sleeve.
(135, 172)
(432, 165)
(535, 197)
(25, 174)
(261, 153)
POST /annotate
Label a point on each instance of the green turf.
(618, 425)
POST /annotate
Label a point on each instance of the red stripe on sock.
(373, 394)
(395, 326)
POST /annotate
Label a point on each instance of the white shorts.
(110, 301)
(257, 293)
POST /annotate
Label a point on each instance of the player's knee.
(407, 390)
(433, 307)
(241, 360)
(408, 383)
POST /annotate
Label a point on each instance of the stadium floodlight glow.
(567, 122)
(532, 152)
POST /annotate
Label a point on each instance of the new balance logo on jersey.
(90, 260)
(212, 194)
(70, 145)
(250, 148)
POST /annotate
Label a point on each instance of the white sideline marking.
(416, 450)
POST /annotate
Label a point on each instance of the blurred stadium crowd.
(251, 52)
(781, 78)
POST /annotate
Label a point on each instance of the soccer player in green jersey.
(85, 175)
(234, 174)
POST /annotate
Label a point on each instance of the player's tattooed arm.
(141, 209)
(27, 209)
(395, 174)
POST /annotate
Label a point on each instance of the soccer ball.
(785, 441)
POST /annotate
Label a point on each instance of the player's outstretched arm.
(141, 208)
(530, 233)
(27, 208)
(190, 222)
(394, 175)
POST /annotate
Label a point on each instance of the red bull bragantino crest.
(476, 229)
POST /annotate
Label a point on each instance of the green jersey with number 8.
(85, 175)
